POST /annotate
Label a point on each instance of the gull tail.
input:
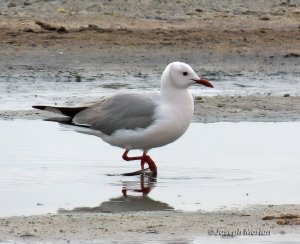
(66, 111)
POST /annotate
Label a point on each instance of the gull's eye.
(185, 73)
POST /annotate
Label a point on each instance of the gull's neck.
(177, 103)
(174, 95)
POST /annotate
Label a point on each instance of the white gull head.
(179, 75)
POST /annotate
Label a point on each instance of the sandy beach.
(178, 227)
(69, 52)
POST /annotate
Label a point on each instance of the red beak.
(204, 82)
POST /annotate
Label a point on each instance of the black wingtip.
(39, 107)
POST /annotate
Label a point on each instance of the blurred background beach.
(69, 52)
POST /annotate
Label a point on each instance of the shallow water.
(47, 168)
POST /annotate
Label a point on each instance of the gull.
(140, 120)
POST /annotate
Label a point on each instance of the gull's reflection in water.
(134, 198)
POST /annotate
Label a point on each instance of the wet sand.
(215, 109)
(147, 226)
(108, 39)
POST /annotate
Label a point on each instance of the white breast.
(172, 120)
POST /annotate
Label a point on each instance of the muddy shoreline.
(214, 109)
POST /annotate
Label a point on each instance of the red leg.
(144, 159)
(127, 158)
(150, 162)
(142, 164)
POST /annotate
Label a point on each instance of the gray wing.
(123, 111)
